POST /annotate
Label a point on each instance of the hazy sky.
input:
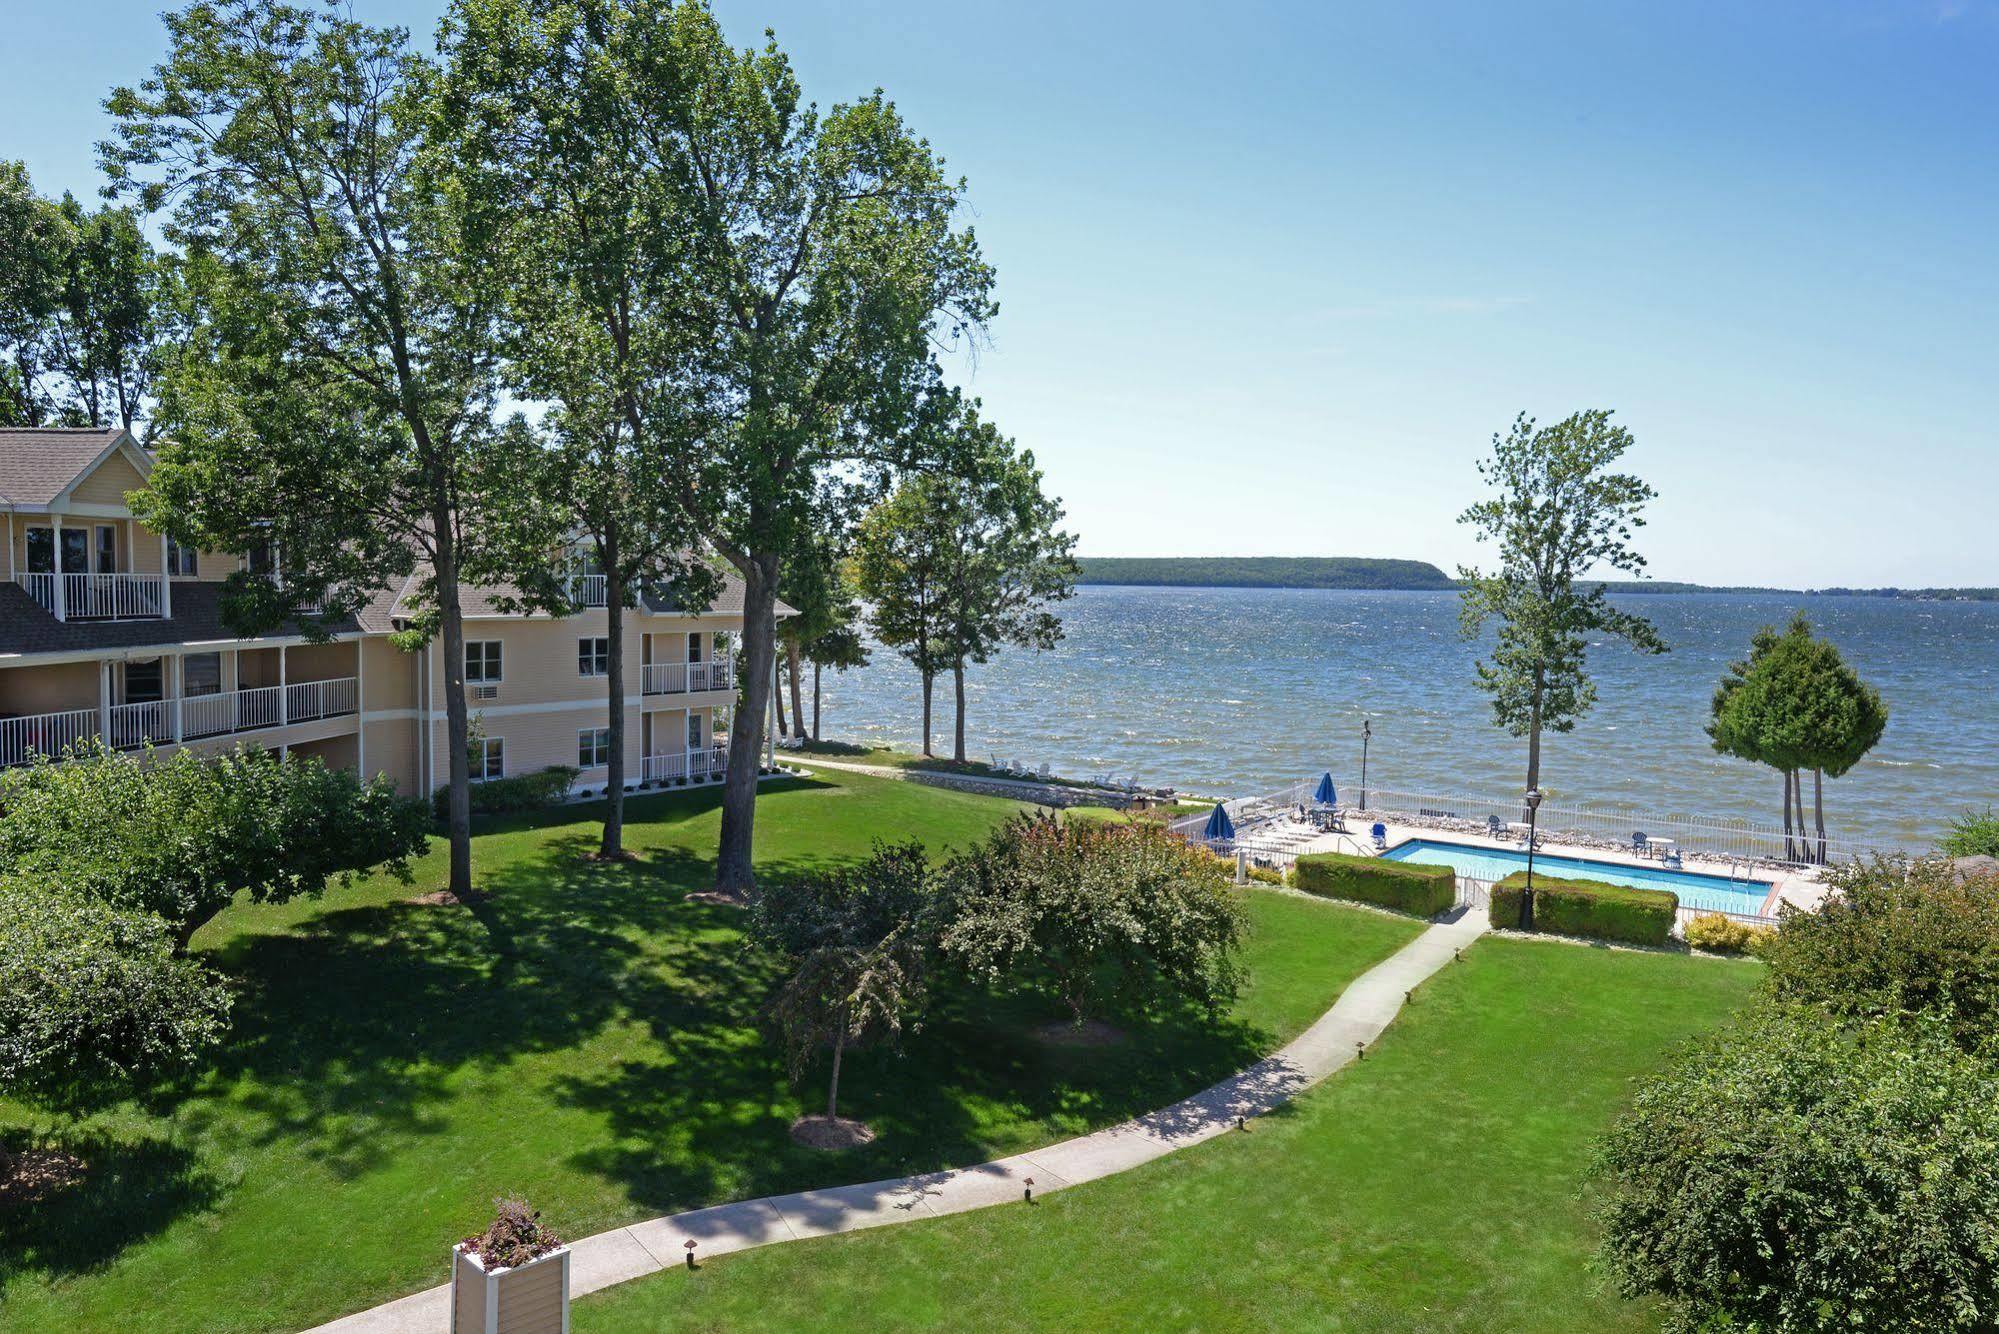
(1272, 274)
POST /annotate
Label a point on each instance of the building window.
(694, 731)
(201, 674)
(180, 560)
(145, 683)
(593, 657)
(482, 661)
(694, 648)
(593, 747)
(107, 548)
(489, 758)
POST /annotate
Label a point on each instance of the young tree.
(1558, 515)
(181, 837)
(1008, 562)
(1091, 906)
(825, 255)
(1743, 723)
(590, 246)
(903, 552)
(95, 1001)
(839, 646)
(853, 944)
(336, 380)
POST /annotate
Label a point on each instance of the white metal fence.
(153, 721)
(678, 678)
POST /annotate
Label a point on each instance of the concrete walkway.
(1363, 1010)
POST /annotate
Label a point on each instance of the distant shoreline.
(1374, 574)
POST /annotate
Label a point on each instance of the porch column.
(284, 694)
(176, 689)
(770, 723)
(103, 692)
(166, 581)
(11, 575)
(361, 708)
(62, 610)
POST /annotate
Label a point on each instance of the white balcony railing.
(708, 764)
(97, 597)
(589, 590)
(679, 678)
(199, 716)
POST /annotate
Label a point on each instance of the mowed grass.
(586, 1037)
(1437, 1185)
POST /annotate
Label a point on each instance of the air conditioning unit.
(484, 693)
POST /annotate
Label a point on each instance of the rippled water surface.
(1237, 690)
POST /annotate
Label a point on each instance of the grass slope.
(587, 1038)
(1437, 1185)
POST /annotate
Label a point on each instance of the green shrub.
(1404, 886)
(1591, 908)
(509, 796)
(1972, 834)
(1722, 934)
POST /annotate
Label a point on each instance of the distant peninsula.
(1265, 572)
(1381, 574)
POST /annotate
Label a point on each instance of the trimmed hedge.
(1404, 886)
(1724, 935)
(521, 792)
(1591, 908)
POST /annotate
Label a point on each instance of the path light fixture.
(689, 1243)
(1527, 895)
(1239, 1124)
(1360, 1051)
(1027, 1189)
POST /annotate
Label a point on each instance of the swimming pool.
(1716, 893)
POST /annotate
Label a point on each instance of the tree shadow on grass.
(130, 1190)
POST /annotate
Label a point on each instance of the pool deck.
(1796, 887)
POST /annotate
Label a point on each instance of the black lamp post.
(1366, 731)
(1527, 895)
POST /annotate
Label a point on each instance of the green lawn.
(1437, 1185)
(587, 1038)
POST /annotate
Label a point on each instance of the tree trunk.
(958, 739)
(777, 702)
(457, 727)
(1818, 809)
(1534, 742)
(1798, 796)
(795, 664)
(613, 842)
(1790, 852)
(833, 1084)
(734, 871)
(928, 681)
(815, 703)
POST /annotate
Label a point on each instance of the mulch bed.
(1089, 1033)
(444, 898)
(831, 1133)
(717, 898)
(38, 1173)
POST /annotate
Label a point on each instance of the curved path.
(1363, 1010)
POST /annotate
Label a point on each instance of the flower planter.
(530, 1299)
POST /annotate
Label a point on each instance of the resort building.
(110, 630)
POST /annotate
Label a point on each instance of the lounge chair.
(1044, 773)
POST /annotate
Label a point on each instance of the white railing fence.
(590, 590)
(40, 587)
(44, 734)
(152, 722)
(707, 764)
(678, 678)
(111, 597)
(306, 700)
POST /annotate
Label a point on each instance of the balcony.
(681, 678)
(707, 765)
(589, 590)
(97, 597)
(167, 721)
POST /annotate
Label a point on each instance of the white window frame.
(182, 562)
(489, 746)
(98, 534)
(694, 729)
(599, 743)
(588, 647)
(497, 659)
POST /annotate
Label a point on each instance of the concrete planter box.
(530, 1299)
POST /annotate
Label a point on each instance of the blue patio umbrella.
(1324, 794)
(1220, 827)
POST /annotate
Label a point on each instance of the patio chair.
(1671, 861)
(1380, 836)
(1494, 827)
(1639, 843)
(1044, 773)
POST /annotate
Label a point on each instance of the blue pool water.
(1715, 892)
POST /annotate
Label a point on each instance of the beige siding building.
(108, 630)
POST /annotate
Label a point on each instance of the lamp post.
(1527, 895)
(1366, 731)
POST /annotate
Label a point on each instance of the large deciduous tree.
(902, 554)
(591, 249)
(78, 324)
(826, 254)
(1558, 513)
(1009, 560)
(336, 381)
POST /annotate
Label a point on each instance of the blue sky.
(1272, 274)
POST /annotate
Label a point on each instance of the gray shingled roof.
(26, 628)
(37, 462)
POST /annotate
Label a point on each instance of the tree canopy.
(1558, 514)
